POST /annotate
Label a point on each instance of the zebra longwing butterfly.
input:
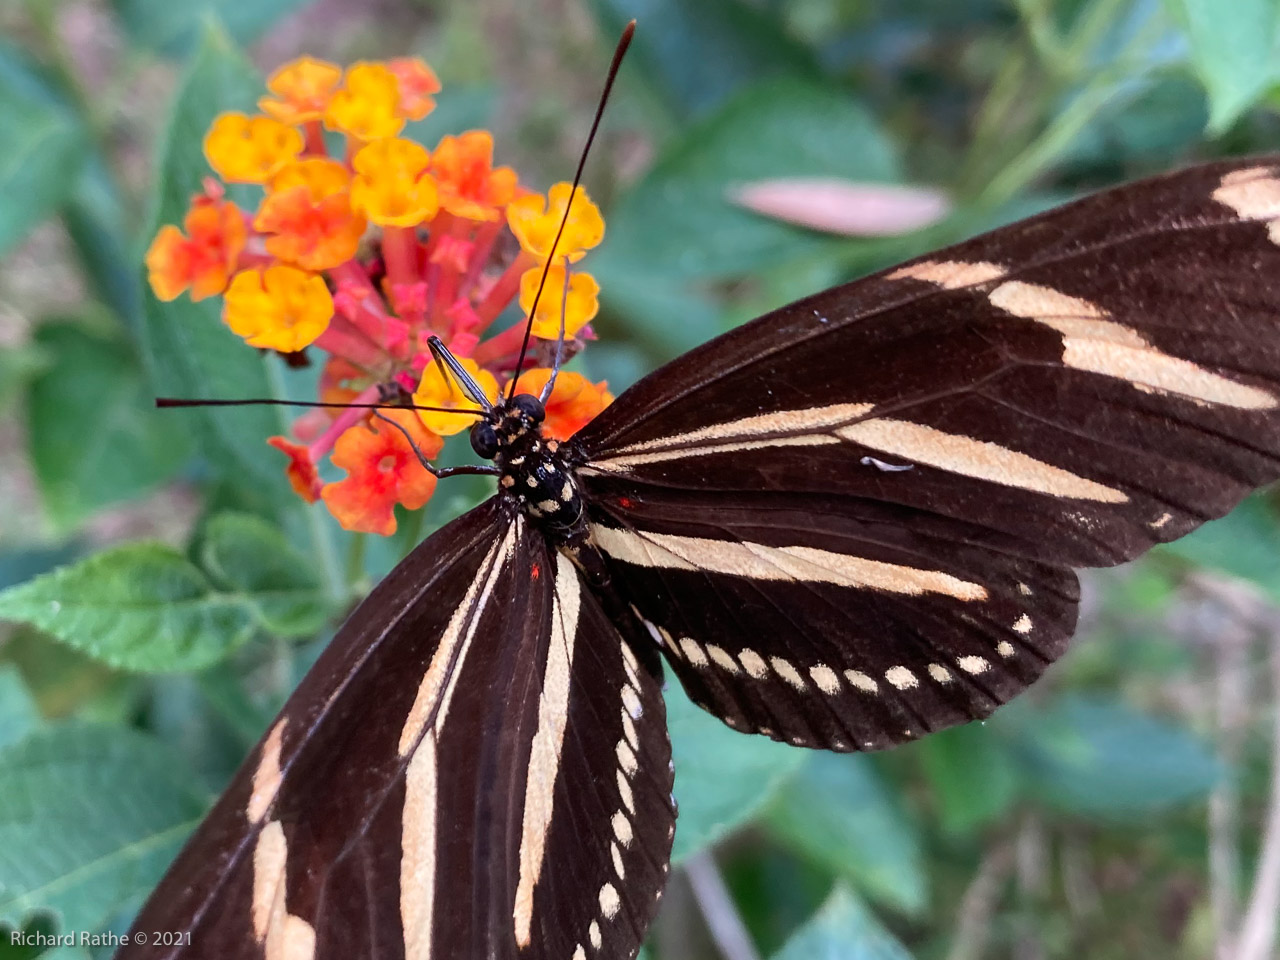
(844, 525)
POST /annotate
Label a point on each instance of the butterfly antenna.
(438, 472)
(169, 402)
(618, 53)
(555, 366)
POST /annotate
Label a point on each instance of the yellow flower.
(534, 220)
(582, 306)
(438, 390)
(392, 186)
(248, 149)
(321, 176)
(367, 107)
(302, 90)
(280, 308)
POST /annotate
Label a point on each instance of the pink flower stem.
(441, 226)
(445, 293)
(343, 339)
(341, 423)
(400, 251)
(503, 290)
(499, 352)
(486, 237)
(315, 145)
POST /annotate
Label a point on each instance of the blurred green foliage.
(135, 675)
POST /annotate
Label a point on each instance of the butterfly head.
(505, 424)
(535, 472)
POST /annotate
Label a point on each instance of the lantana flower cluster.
(362, 254)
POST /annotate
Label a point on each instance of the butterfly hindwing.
(446, 780)
(1063, 392)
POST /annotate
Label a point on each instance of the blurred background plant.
(164, 589)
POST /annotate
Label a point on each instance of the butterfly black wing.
(854, 520)
(477, 766)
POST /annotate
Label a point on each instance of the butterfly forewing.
(885, 486)
(445, 782)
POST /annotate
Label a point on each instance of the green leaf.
(973, 776)
(458, 109)
(89, 818)
(100, 229)
(663, 314)
(173, 28)
(96, 437)
(1104, 759)
(838, 812)
(19, 365)
(23, 942)
(1241, 544)
(701, 54)
(141, 606)
(843, 929)
(42, 143)
(18, 713)
(190, 352)
(677, 223)
(245, 554)
(1233, 50)
(722, 778)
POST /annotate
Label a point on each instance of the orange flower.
(582, 306)
(437, 390)
(202, 259)
(417, 82)
(301, 471)
(382, 470)
(574, 402)
(280, 308)
(392, 186)
(367, 107)
(246, 149)
(469, 185)
(308, 212)
(534, 220)
(302, 90)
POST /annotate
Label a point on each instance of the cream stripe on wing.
(1096, 344)
(431, 706)
(418, 851)
(761, 426)
(283, 936)
(267, 777)
(458, 633)
(544, 754)
(980, 459)
(1253, 193)
(950, 274)
(760, 562)
(614, 464)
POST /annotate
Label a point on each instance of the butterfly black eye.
(530, 406)
(484, 440)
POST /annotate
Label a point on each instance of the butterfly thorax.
(535, 471)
